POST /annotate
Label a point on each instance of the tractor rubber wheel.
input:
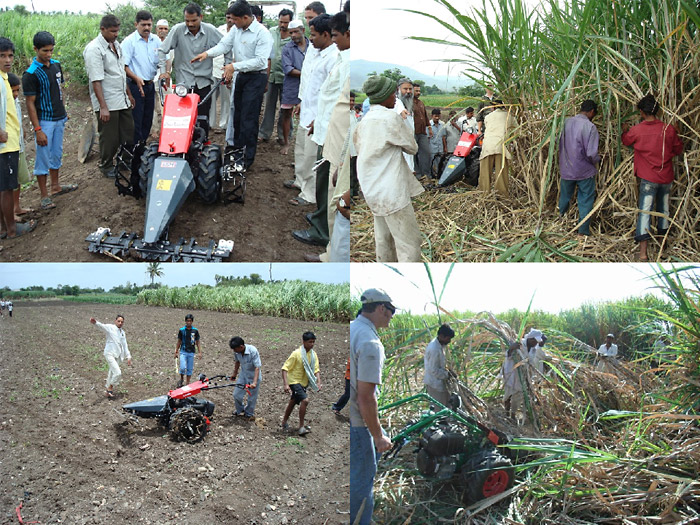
(485, 474)
(146, 168)
(189, 424)
(471, 176)
(209, 178)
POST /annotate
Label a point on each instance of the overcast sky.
(107, 275)
(499, 287)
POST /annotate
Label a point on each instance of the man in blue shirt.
(141, 65)
(248, 381)
(187, 339)
(251, 43)
(293, 54)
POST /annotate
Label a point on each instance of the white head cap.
(162, 22)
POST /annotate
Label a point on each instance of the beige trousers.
(305, 153)
(397, 237)
(489, 165)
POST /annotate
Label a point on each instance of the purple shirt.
(578, 148)
(292, 58)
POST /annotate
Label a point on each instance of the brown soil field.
(261, 228)
(70, 456)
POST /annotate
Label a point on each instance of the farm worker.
(22, 170)
(115, 348)
(606, 351)
(485, 107)
(111, 99)
(436, 372)
(466, 122)
(423, 133)
(280, 37)
(188, 39)
(10, 307)
(41, 84)
(141, 66)
(512, 386)
(251, 44)
(534, 342)
(293, 55)
(301, 370)
(9, 148)
(343, 400)
(187, 339)
(450, 133)
(367, 438)
(436, 143)
(655, 144)
(317, 64)
(320, 60)
(578, 159)
(331, 131)
(404, 107)
(386, 180)
(221, 96)
(248, 364)
(494, 153)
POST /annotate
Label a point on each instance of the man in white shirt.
(115, 348)
(386, 180)
(436, 372)
(606, 352)
(534, 343)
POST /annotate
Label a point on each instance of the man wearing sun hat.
(607, 351)
(386, 180)
(367, 438)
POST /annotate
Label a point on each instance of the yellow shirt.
(295, 367)
(12, 123)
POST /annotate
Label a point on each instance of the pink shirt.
(655, 144)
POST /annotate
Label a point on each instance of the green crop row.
(292, 299)
(102, 298)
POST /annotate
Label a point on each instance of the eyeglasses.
(390, 308)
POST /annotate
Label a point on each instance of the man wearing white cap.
(293, 56)
(533, 342)
(607, 350)
(367, 438)
(162, 30)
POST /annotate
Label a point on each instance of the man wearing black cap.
(387, 181)
(366, 433)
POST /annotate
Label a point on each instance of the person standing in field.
(116, 348)
(423, 133)
(293, 55)
(111, 99)
(247, 375)
(43, 95)
(495, 156)
(221, 99)
(343, 400)
(10, 306)
(436, 372)
(655, 144)
(280, 37)
(512, 385)
(606, 351)
(301, 370)
(189, 39)
(386, 180)
(578, 160)
(10, 127)
(187, 339)
(404, 107)
(141, 66)
(367, 438)
(23, 170)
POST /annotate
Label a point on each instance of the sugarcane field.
(544, 66)
(584, 414)
(164, 443)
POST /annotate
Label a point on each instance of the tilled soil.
(261, 228)
(69, 455)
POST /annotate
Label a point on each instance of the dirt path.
(68, 453)
(261, 228)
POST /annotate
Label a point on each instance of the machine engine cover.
(168, 187)
(179, 117)
(153, 407)
(443, 442)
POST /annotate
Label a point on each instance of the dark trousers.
(203, 109)
(319, 218)
(248, 96)
(272, 97)
(143, 109)
(119, 129)
(343, 400)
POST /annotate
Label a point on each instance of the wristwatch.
(342, 204)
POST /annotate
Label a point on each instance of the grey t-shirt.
(366, 362)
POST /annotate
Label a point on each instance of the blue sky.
(107, 275)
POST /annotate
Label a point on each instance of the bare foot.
(22, 211)
(285, 149)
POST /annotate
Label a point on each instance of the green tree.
(154, 270)
(394, 74)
